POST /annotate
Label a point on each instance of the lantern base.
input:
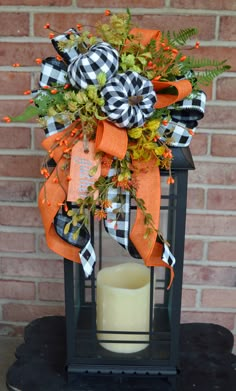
(206, 363)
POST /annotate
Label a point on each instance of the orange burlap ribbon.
(110, 139)
(51, 195)
(181, 89)
(149, 190)
(144, 36)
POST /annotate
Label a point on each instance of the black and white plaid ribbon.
(191, 108)
(68, 54)
(167, 255)
(55, 124)
(184, 119)
(53, 72)
(118, 215)
(87, 253)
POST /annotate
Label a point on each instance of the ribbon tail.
(154, 252)
(81, 241)
(51, 196)
(118, 215)
(49, 210)
(61, 243)
(88, 258)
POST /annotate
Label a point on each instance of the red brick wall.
(32, 277)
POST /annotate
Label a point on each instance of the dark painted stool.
(206, 362)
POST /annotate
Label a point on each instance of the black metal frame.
(160, 358)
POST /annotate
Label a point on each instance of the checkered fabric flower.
(129, 99)
(85, 68)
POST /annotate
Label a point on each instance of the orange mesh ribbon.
(56, 193)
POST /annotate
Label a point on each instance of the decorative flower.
(84, 69)
(129, 99)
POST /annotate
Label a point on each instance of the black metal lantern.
(158, 357)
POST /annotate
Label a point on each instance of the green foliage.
(208, 75)
(205, 70)
(30, 112)
(180, 38)
(116, 30)
(82, 41)
(62, 103)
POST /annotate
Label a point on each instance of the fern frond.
(207, 76)
(205, 70)
(180, 38)
(198, 63)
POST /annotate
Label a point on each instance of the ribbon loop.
(181, 89)
(111, 140)
(146, 35)
(184, 120)
(53, 72)
(68, 54)
(190, 109)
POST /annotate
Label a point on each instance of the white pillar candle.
(123, 304)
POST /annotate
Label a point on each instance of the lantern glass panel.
(84, 349)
